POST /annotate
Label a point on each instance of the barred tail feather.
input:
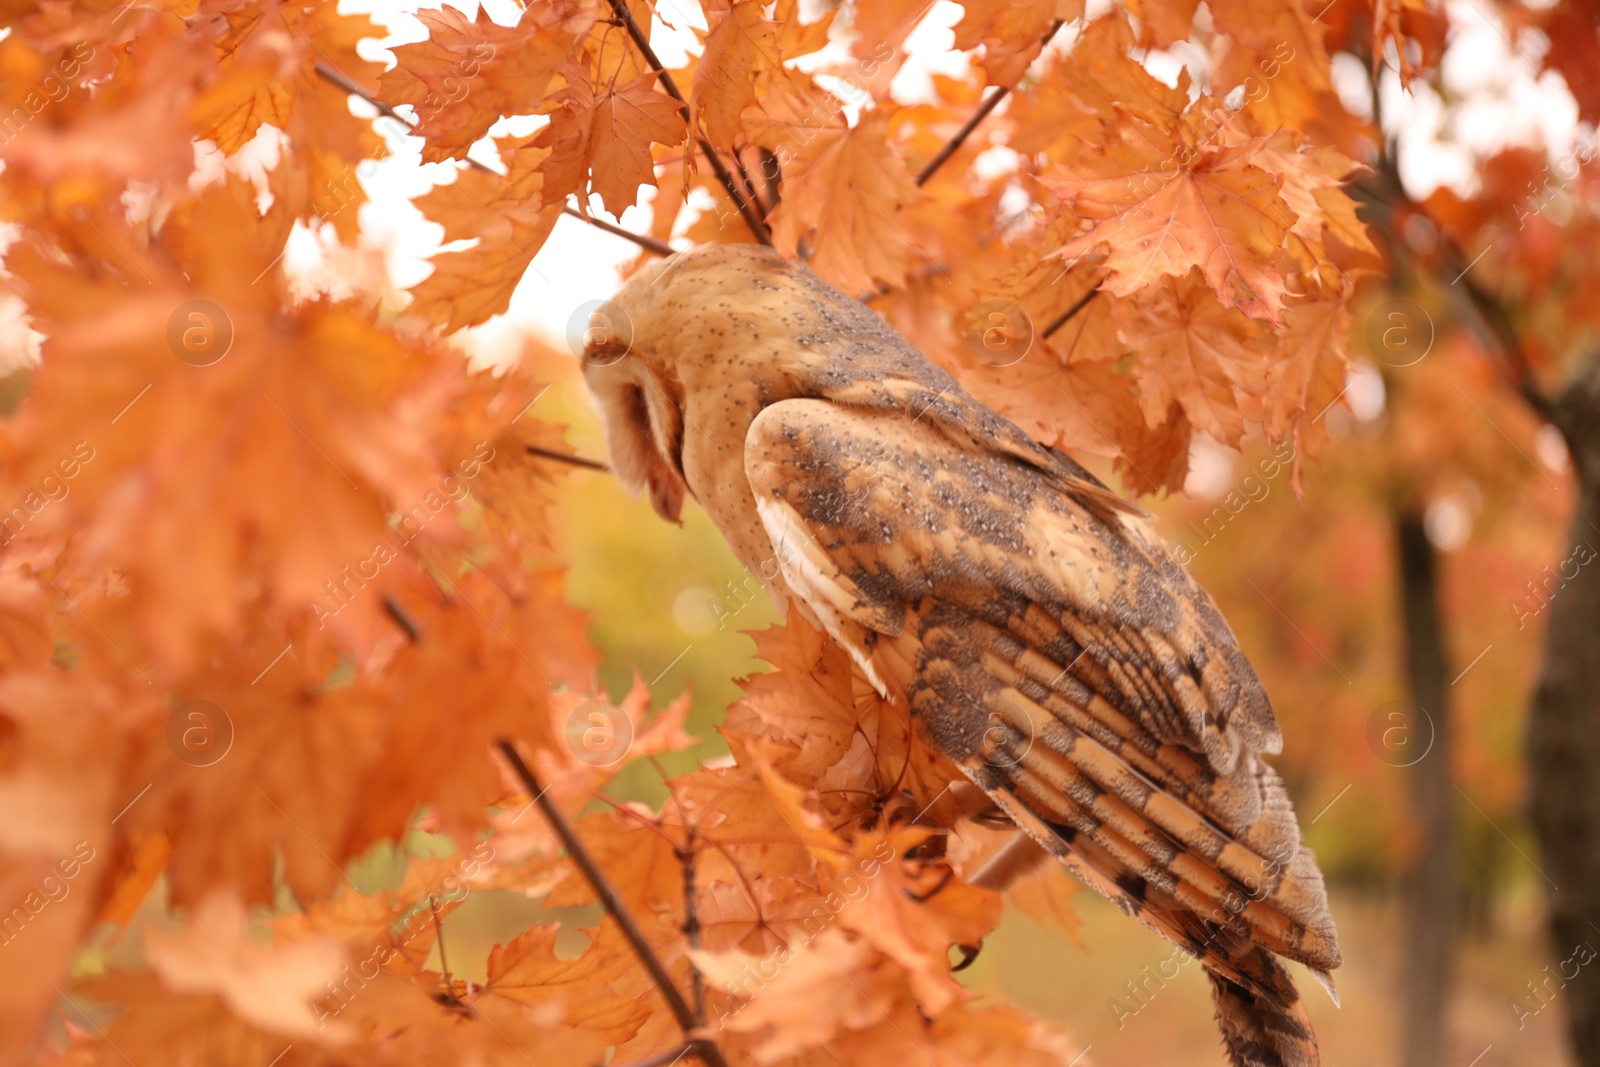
(1260, 1031)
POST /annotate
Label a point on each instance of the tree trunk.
(1564, 735)
(1430, 890)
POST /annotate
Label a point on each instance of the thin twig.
(691, 922)
(562, 457)
(650, 244)
(329, 74)
(642, 42)
(1077, 306)
(990, 102)
(614, 907)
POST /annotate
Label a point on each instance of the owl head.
(684, 341)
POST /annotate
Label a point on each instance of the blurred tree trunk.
(1431, 882)
(1564, 728)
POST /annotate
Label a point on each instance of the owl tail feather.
(1259, 1031)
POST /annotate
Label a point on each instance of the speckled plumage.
(1043, 638)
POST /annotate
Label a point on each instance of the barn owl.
(1041, 636)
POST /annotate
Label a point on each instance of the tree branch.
(1485, 311)
(562, 457)
(750, 215)
(990, 102)
(705, 1049)
(649, 244)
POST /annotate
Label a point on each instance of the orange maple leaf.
(600, 139)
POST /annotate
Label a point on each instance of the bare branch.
(706, 1050)
(751, 218)
(562, 457)
(990, 102)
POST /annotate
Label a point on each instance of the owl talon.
(969, 956)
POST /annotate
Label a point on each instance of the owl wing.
(1047, 644)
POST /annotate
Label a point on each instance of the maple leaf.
(807, 701)
(268, 62)
(1163, 23)
(527, 969)
(468, 73)
(1196, 351)
(843, 198)
(59, 789)
(1311, 373)
(808, 977)
(723, 86)
(1276, 52)
(896, 913)
(600, 139)
(508, 215)
(1010, 33)
(1222, 215)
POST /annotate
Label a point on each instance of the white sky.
(1498, 100)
